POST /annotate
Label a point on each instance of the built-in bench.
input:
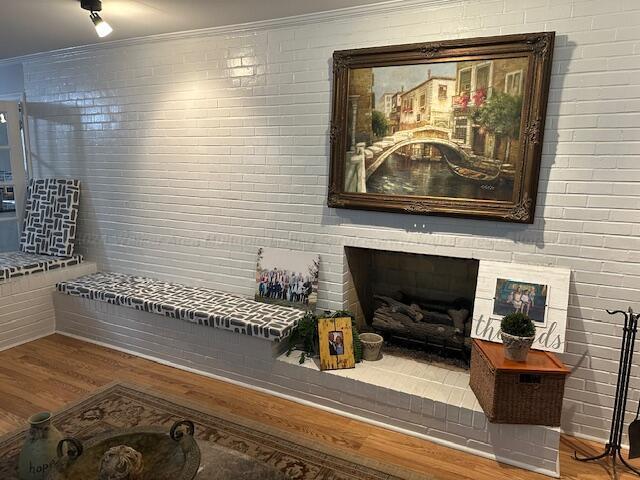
(19, 264)
(47, 256)
(27, 288)
(200, 305)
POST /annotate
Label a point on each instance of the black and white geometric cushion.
(193, 304)
(51, 212)
(19, 264)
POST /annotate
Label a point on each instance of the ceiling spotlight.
(102, 28)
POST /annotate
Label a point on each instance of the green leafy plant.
(304, 336)
(518, 324)
(500, 115)
(379, 124)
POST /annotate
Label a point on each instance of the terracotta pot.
(516, 348)
(371, 346)
(39, 453)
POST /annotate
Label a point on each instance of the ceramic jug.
(38, 454)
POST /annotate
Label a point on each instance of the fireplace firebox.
(415, 301)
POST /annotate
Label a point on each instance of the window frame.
(513, 73)
(17, 141)
(457, 125)
(459, 80)
(488, 65)
(441, 87)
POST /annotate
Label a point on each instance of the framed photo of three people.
(441, 128)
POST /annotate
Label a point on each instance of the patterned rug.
(120, 406)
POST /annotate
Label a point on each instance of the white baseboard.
(308, 403)
(28, 340)
(590, 438)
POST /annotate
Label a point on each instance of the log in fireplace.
(418, 301)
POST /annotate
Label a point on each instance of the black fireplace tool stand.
(613, 447)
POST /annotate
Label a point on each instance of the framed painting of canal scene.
(441, 128)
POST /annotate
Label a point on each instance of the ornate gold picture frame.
(441, 128)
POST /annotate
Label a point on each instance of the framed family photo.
(336, 343)
(287, 277)
(516, 296)
(443, 128)
(539, 291)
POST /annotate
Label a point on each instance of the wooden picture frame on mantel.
(442, 128)
(335, 339)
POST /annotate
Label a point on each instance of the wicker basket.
(512, 395)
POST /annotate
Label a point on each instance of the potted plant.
(304, 337)
(518, 332)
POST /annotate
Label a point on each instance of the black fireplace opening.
(417, 302)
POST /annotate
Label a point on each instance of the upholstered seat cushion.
(18, 264)
(193, 304)
(50, 216)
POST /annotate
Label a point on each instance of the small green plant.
(518, 324)
(304, 336)
(379, 124)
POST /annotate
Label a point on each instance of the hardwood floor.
(48, 373)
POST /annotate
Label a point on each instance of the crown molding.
(382, 8)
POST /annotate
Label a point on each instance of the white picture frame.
(550, 332)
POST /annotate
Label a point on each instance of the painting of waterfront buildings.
(447, 129)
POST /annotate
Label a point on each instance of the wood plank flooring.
(48, 373)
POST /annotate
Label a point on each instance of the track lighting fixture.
(102, 28)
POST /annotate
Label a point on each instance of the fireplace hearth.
(418, 302)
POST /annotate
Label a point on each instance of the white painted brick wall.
(195, 151)
(26, 304)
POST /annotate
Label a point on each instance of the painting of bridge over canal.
(447, 129)
(452, 127)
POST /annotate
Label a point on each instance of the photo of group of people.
(514, 296)
(287, 278)
(277, 284)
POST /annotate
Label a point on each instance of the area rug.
(119, 406)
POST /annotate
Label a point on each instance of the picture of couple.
(336, 343)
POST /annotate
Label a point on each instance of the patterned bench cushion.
(50, 216)
(193, 304)
(18, 264)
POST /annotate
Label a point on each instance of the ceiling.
(31, 26)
